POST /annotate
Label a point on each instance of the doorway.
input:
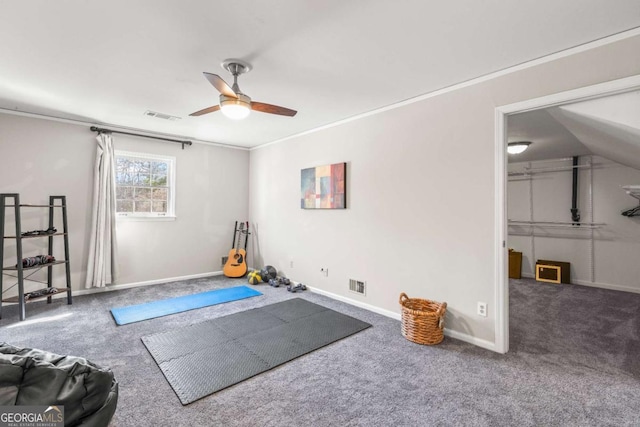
(502, 115)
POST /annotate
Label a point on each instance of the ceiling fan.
(233, 103)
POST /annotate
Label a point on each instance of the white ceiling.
(607, 126)
(109, 61)
(549, 139)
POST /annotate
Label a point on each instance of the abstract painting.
(324, 187)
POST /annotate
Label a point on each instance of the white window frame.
(171, 185)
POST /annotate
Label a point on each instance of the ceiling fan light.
(517, 147)
(235, 108)
(235, 111)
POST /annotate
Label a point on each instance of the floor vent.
(357, 286)
(160, 115)
(224, 260)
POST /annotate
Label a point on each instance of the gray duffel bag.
(28, 376)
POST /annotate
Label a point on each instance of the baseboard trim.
(110, 288)
(596, 285)
(471, 340)
(397, 316)
(607, 286)
(356, 303)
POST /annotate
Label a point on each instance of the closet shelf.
(632, 190)
(532, 171)
(558, 224)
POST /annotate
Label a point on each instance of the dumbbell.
(296, 288)
(284, 281)
(274, 282)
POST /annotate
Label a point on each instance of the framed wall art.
(324, 187)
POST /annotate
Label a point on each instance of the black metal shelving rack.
(19, 269)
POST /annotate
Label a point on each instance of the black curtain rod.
(100, 130)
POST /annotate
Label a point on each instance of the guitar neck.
(237, 241)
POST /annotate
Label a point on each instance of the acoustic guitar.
(236, 265)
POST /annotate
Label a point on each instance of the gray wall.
(39, 158)
(421, 193)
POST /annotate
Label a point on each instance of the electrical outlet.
(291, 264)
(482, 309)
(325, 272)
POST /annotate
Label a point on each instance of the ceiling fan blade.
(220, 84)
(206, 111)
(272, 109)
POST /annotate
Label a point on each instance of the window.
(145, 185)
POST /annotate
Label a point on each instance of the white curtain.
(102, 266)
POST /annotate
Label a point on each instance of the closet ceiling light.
(517, 147)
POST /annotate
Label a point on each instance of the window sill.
(145, 218)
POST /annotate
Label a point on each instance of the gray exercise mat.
(206, 357)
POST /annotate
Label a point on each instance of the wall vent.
(161, 115)
(358, 286)
(224, 260)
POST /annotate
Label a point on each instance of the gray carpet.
(206, 357)
(573, 362)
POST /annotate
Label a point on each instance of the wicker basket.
(422, 320)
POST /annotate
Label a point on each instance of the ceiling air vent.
(160, 115)
(357, 286)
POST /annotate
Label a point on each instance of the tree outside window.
(144, 185)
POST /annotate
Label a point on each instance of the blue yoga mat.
(151, 310)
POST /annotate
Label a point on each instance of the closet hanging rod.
(632, 190)
(100, 130)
